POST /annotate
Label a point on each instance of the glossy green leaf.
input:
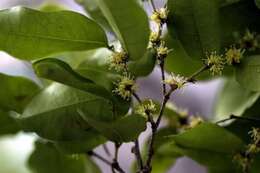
(143, 66)
(248, 73)
(125, 129)
(209, 145)
(61, 72)
(52, 114)
(46, 158)
(178, 60)
(16, 92)
(233, 100)
(257, 3)
(236, 17)
(129, 24)
(92, 8)
(31, 34)
(196, 25)
(8, 125)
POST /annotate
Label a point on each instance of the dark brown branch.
(105, 148)
(192, 78)
(93, 154)
(232, 117)
(153, 5)
(115, 164)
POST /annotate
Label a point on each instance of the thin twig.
(92, 153)
(153, 5)
(105, 148)
(115, 163)
(138, 155)
(197, 73)
(137, 98)
(232, 117)
(163, 76)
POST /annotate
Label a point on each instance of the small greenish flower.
(234, 55)
(160, 16)
(215, 63)
(118, 61)
(162, 51)
(147, 106)
(125, 87)
(175, 81)
(255, 134)
(253, 149)
(154, 37)
(195, 121)
(243, 161)
(249, 41)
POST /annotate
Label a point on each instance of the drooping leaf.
(248, 73)
(130, 24)
(125, 129)
(257, 3)
(52, 113)
(16, 92)
(31, 34)
(8, 125)
(94, 11)
(61, 72)
(208, 144)
(143, 66)
(233, 100)
(46, 158)
(236, 17)
(196, 25)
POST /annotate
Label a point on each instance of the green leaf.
(248, 73)
(178, 60)
(46, 158)
(143, 66)
(125, 129)
(233, 100)
(59, 71)
(196, 25)
(16, 92)
(52, 113)
(129, 24)
(209, 145)
(31, 34)
(236, 17)
(8, 125)
(257, 3)
(92, 8)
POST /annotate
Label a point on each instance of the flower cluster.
(118, 61)
(175, 81)
(126, 86)
(162, 51)
(160, 16)
(245, 159)
(147, 107)
(250, 41)
(233, 55)
(215, 63)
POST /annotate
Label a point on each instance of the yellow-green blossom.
(249, 41)
(125, 87)
(175, 81)
(215, 63)
(162, 51)
(147, 106)
(234, 55)
(255, 134)
(160, 16)
(118, 61)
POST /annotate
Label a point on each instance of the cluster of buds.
(215, 63)
(154, 38)
(175, 81)
(160, 16)
(118, 61)
(162, 51)
(125, 87)
(147, 107)
(250, 41)
(233, 55)
(245, 158)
